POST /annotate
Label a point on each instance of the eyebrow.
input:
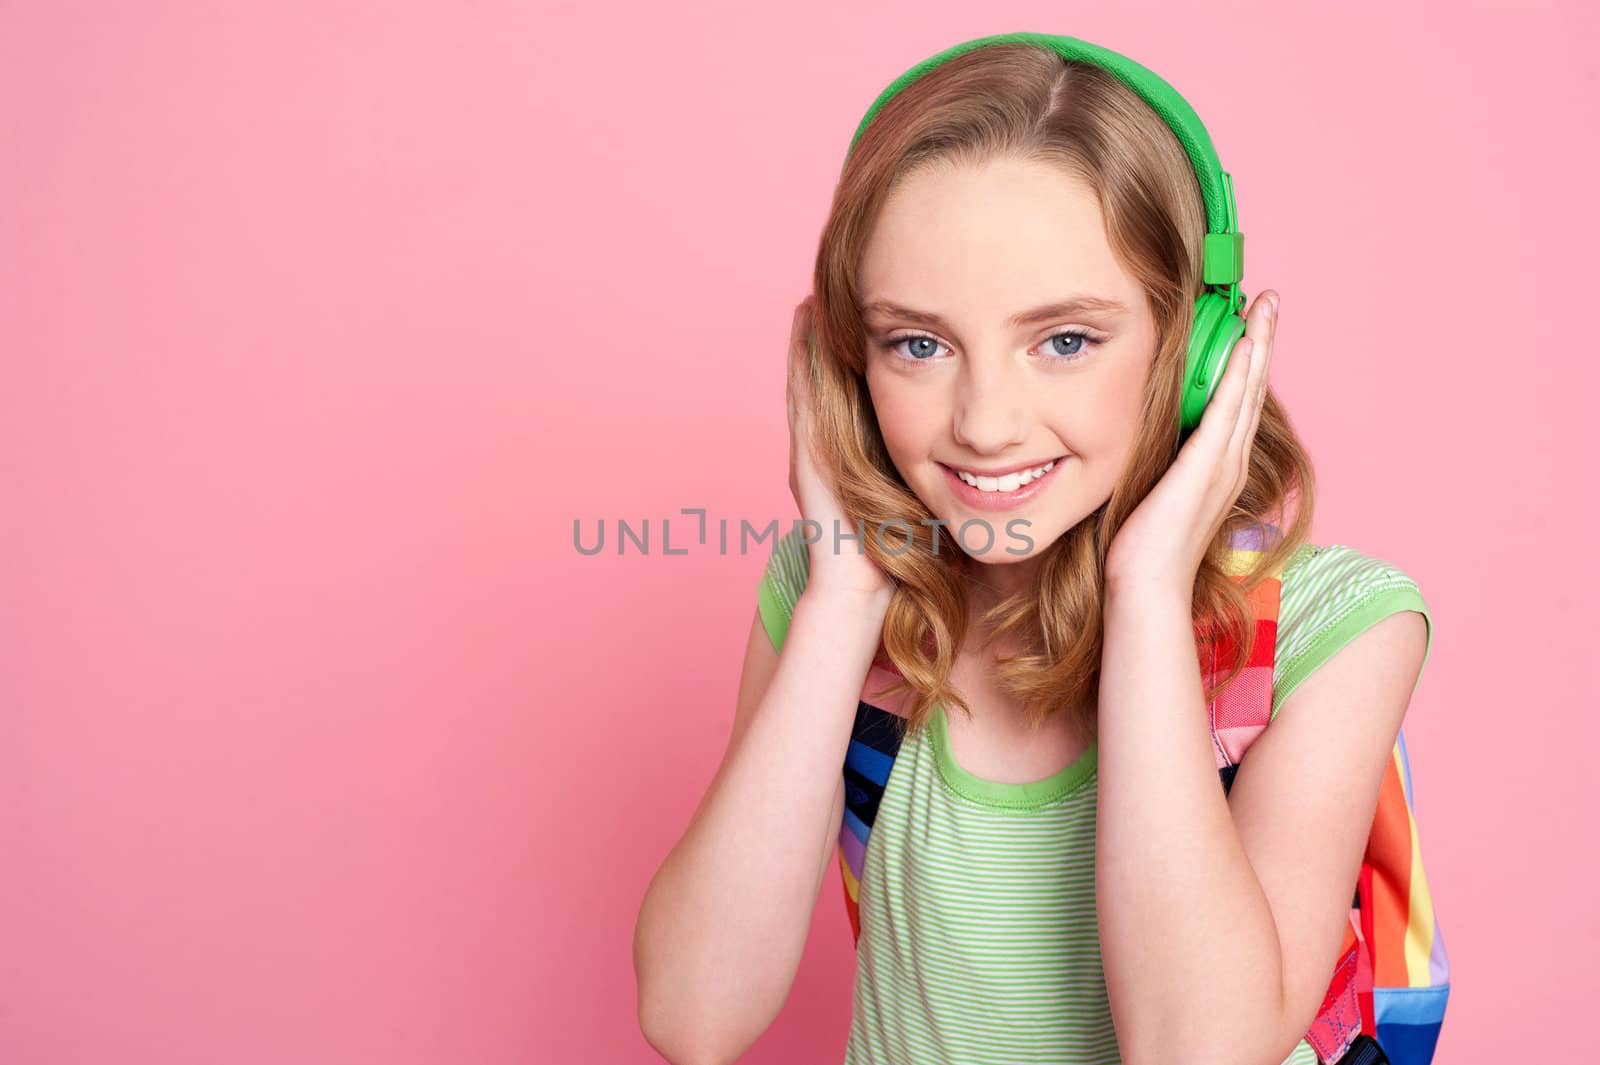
(1059, 309)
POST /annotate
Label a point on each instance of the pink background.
(320, 323)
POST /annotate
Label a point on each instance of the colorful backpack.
(1386, 999)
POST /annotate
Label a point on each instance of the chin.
(1009, 543)
(1001, 557)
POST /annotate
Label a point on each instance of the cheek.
(906, 419)
(1127, 400)
(1099, 418)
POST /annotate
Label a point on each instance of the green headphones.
(1217, 323)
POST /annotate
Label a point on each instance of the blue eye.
(929, 347)
(1069, 345)
(1083, 339)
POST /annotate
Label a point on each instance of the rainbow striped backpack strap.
(874, 742)
(1386, 997)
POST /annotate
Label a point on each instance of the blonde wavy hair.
(1026, 102)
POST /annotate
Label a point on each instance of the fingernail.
(1272, 306)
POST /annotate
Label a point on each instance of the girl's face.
(1003, 336)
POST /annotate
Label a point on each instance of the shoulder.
(782, 581)
(1328, 596)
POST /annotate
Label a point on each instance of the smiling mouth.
(1009, 482)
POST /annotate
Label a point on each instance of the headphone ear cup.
(1211, 341)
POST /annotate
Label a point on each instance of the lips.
(978, 499)
(1002, 471)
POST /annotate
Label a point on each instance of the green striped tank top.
(979, 939)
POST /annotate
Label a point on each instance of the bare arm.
(724, 921)
(1221, 915)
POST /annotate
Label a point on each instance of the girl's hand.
(849, 568)
(1161, 544)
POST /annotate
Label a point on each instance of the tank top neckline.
(1004, 794)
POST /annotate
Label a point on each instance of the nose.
(990, 410)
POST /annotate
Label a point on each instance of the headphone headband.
(1224, 244)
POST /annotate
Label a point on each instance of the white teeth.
(1009, 483)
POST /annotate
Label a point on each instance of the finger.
(797, 343)
(807, 348)
(801, 368)
(801, 334)
(796, 332)
(1258, 319)
(1261, 327)
(792, 385)
(1258, 327)
(800, 378)
(789, 370)
(1261, 405)
(1222, 413)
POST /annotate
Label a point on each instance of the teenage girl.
(985, 389)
